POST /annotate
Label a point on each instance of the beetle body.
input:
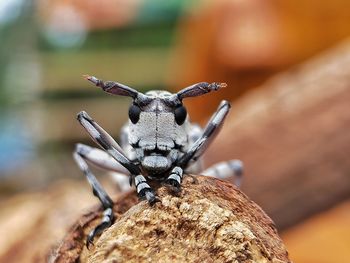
(158, 133)
(157, 143)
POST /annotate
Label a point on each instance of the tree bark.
(209, 220)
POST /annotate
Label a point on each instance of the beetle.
(158, 143)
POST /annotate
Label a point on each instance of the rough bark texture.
(293, 136)
(210, 221)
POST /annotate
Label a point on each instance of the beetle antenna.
(199, 89)
(116, 88)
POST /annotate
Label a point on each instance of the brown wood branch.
(210, 221)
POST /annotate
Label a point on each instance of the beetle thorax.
(156, 137)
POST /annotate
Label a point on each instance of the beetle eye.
(134, 113)
(180, 115)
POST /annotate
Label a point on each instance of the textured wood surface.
(210, 221)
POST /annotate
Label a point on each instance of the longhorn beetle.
(157, 143)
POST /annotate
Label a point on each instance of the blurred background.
(287, 65)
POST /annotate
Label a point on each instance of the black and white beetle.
(158, 143)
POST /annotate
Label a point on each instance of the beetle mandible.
(157, 143)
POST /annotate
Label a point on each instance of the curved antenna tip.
(223, 85)
(92, 79)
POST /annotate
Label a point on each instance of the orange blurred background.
(46, 46)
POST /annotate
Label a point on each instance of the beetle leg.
(103, 160)
(106, 222)
(105, 141)
(227, 170)
(144, 191)
(194, 134)
(211, 130)
(101, 194)
(100, 158)
(175, 178)
(102, 138)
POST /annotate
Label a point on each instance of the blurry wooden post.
(209, 221)
(293, 136)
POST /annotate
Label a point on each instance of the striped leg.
(99, 158)
(101, 194)
(102, 138)
(106, 142)
(231, 171)
(175, 178)
(211, 130)
(144, 191)
(103, 160)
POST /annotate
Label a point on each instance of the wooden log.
(293, 136)
(323, 238)
(31, 223)
(209, 220)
